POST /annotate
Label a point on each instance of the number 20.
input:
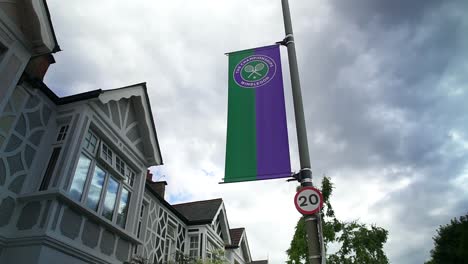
(313, 200)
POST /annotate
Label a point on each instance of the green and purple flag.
(257, 145)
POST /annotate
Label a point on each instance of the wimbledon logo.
(254, 71)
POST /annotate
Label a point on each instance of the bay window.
(102, 181)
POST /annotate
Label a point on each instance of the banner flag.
(257, 145)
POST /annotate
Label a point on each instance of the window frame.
(89, 179)
(170, 249)
(210, 248)
(112, 165)
(50, 168)
(141, 217)
(98, 161)
(62, 133)
(190, 248)
(116, 200)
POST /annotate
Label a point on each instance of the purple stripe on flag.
(272, 134)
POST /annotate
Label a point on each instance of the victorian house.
(74, 184)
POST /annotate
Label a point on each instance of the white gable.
(220, 225)
(130, 113)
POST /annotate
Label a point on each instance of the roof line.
(128, 86)
(209, 200)
(173, 210)
(60, 100)
(237, 228)
(165, 203)
(56, 47)
(145, 89)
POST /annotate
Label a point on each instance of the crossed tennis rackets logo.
(254, 70)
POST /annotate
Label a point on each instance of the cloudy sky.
(385, 96)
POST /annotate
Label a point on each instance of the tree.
(358, 242)
(451, 242)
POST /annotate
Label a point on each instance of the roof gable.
(244, 245)
(221, 225)
(236, 236)
(199, 212)
(128, 108)
(129, 111)
(239, 240)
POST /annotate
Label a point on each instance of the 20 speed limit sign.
(308, 200)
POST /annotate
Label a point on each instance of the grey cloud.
(390, 13)
(340, 108)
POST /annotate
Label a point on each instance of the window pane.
(95, 189)
(107, 153)
(193, 247)
(120, 165)
(171, 231)
(142, 210)
(139, 229)
(123, 208)
(62, 133)
(76, 189)
(111, 196)
(169, 251)
(129, 176)
(93, 142)
(90, 142)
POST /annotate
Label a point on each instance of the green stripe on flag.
(241, 146)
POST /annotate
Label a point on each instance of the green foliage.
(451, 242)
(137, 260)
(297, 252)
(218, 257)
(359, 243)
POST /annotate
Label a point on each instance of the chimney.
(149, 176)
(159, 186)
(38, 66)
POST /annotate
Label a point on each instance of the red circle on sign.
(308, 189)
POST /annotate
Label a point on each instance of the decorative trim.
(47, 240)
(137, 160)
(63, 197)
(11, 29)
(76, 145)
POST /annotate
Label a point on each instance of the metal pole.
(311, 221)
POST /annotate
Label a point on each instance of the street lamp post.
(312, 222)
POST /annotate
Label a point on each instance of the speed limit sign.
(308, 200)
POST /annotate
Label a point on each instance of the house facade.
(74, 185)
(193, 230)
